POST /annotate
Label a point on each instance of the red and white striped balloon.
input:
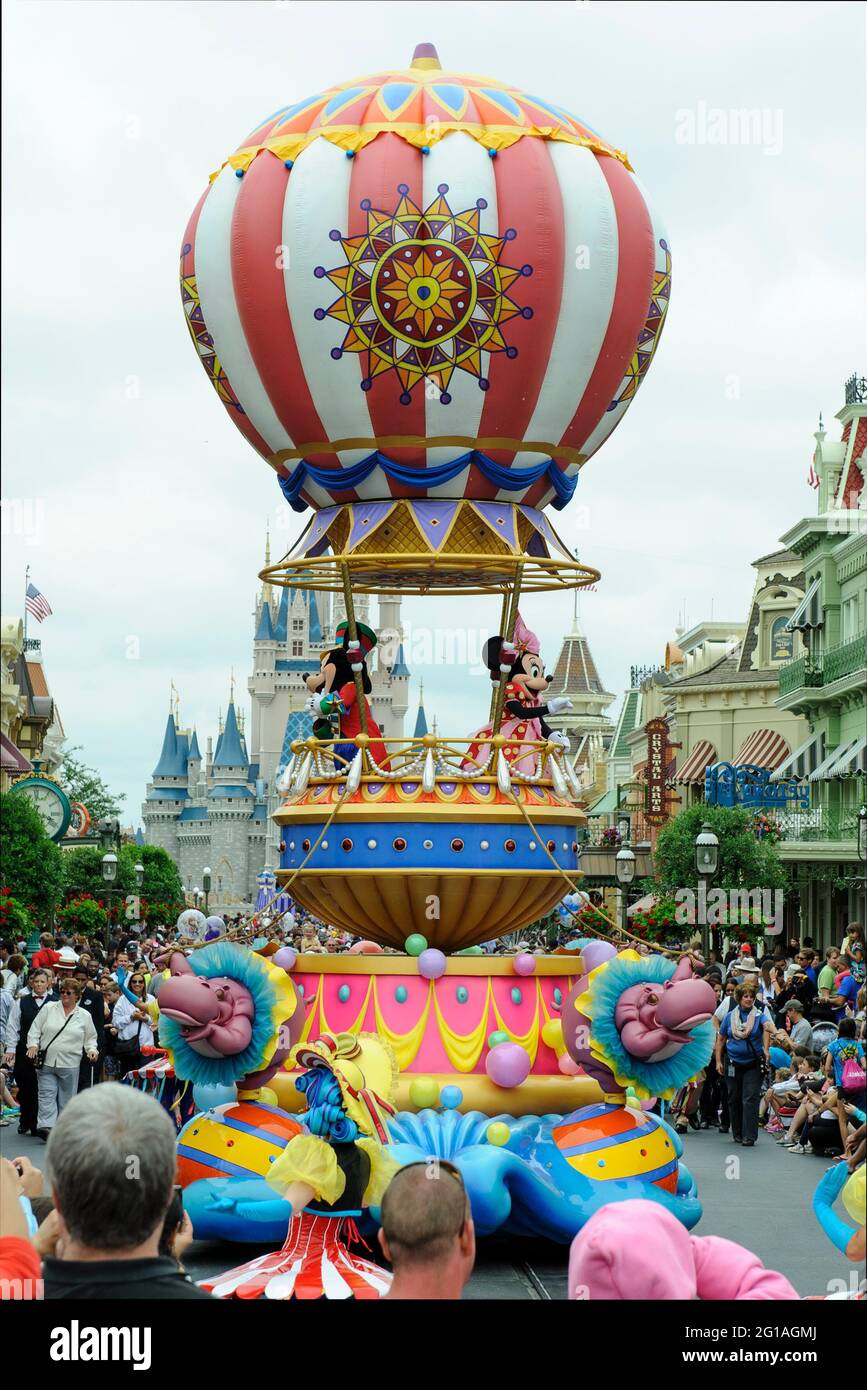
(325, 291)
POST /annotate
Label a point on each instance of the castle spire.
(266, 587)
(421, 727)
(230, 752)
(168, 763)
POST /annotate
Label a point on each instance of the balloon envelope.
(468, 288)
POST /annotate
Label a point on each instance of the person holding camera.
(58, 1036)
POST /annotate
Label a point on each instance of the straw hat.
(366, 1071)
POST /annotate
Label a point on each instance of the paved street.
(761, 1197)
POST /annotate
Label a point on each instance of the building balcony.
(845, 659)
(818, 824)
(800, 674)
(818, 834)
(840, 663)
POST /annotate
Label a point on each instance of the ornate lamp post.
(109, 877)
(139, 880)
(707, 867)
(206, 885)
(624, 868)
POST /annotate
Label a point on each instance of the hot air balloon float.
(426, 300)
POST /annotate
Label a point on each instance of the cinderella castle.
(216, 810)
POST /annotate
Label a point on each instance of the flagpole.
(26, 587)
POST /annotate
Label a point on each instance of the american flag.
(36, 603)
(813, 478)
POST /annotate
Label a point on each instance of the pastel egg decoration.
(524, 964)
(432, 964)
(451, 1097)
(286, 958)
(461, 994)
(424, 1092)
(494, 1039)
(552, 1034)
(498, 1133)
(400, 994)
(343, 994)
(517, 995)
(415, 944)
(507, 1064)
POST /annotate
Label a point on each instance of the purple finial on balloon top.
(425, 56)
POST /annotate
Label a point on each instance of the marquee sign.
(658, 798)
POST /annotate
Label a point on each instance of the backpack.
(853, 1078)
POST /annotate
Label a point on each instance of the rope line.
(651, 945)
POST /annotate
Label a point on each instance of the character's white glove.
(561, 739)
(558, 704)
(312, 705)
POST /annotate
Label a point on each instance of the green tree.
(160, 887)
(84, 784)
(30, 862)
(162, 881)
(82, 872)
(744, 860)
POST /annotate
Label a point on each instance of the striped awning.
(809, 612)
(701, 757)
(851, 759)
(14, 760)
(803, 762)
(764, 748)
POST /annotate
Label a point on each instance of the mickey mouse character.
(524, 712)
(334, 698)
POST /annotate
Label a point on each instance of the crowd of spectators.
(789, 1056)
(789, 1060)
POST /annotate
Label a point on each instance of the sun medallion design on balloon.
(424, 294)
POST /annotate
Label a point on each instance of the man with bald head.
(427, 1231)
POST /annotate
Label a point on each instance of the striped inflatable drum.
(427, 285)
(233, 1141)
(609, 1142)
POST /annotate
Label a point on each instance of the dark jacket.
(92, 1001)
(117, 1279)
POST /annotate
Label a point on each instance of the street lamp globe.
(109, 867)
(862, 833)
(139, 875)
(706, 852)
(206, 880)
(624, 866)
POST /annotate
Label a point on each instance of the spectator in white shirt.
(13, 974)
(63, 1030)
(133, 1023)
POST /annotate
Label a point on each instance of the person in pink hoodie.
(638, 1250)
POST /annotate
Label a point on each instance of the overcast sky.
(142, 510)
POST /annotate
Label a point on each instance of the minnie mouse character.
(526, 683)
(334, 698)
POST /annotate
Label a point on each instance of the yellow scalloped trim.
(462, 1049)
(355, 138)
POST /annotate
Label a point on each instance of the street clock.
(50, 800)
